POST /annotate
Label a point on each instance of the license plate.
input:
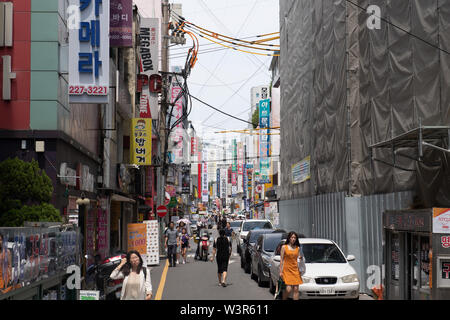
(326, 291)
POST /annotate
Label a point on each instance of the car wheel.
(260, 283)
(271, 286)
(246, 267)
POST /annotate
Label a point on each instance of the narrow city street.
(314, 132)
(197, 280)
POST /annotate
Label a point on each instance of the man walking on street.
(172, 240)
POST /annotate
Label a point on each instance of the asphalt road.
(197, 280)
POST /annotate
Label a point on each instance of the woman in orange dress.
(289, 270)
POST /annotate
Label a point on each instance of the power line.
(400, 28)
(232, 159)
(218, 110)
(235, 92)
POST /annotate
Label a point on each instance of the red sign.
(161, 211)
(445, 241)
(194, 146)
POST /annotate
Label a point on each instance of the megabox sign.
(89, 53)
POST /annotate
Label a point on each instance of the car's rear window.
(254, 235)
(270, 243)
(256, 224)
(322, 253)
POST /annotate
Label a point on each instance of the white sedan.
(328, 273)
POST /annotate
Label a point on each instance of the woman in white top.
(137, 284)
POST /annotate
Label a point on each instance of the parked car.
(261, 256)
(236, 226)
(248, 246)
(251, 224)
(328, 272)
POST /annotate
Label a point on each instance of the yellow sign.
(141, 141)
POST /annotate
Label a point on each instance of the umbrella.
(186, 221)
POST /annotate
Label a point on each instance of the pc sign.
(89, 51)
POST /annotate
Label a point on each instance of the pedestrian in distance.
(229, 233)
(222, 251)
(224, 222)
(137, 284)
(289, 269)
(180, 227)
(184, 243)
(172, 240)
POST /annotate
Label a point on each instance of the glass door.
(419, 264)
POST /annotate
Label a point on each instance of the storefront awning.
(119, 198)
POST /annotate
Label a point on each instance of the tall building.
(358, 97)
(80, 139)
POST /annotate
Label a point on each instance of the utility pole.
(162, 116)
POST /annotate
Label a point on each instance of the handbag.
(301, 263)
(302, 266)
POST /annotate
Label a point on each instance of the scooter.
(203, 245)
(99, 273)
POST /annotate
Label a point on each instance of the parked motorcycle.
(98, 276)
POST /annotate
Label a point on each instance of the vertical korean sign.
(177, 135)
(121, 23)
(223, 183)
(218, 183)
(141, 141)
(264, 140)
(205, 191)
(148, 65)
(194, 146)
(88, 51)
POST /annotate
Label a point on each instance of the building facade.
(350, 91)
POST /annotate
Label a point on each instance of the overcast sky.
(224, 78)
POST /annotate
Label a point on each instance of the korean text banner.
(137, 237)
(141, 141)
(121, 23)
(88, 51)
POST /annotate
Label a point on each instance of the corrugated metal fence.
(354, 223)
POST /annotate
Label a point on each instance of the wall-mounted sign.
(205, 191)
(149, 61)
(67, 176)
(441, 220)
(84, 180)
(141, 141)
(300, 172)
(89, 52)
(445, 242)
(121, 23)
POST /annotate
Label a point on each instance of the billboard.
(141, 141)
(89, 52)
